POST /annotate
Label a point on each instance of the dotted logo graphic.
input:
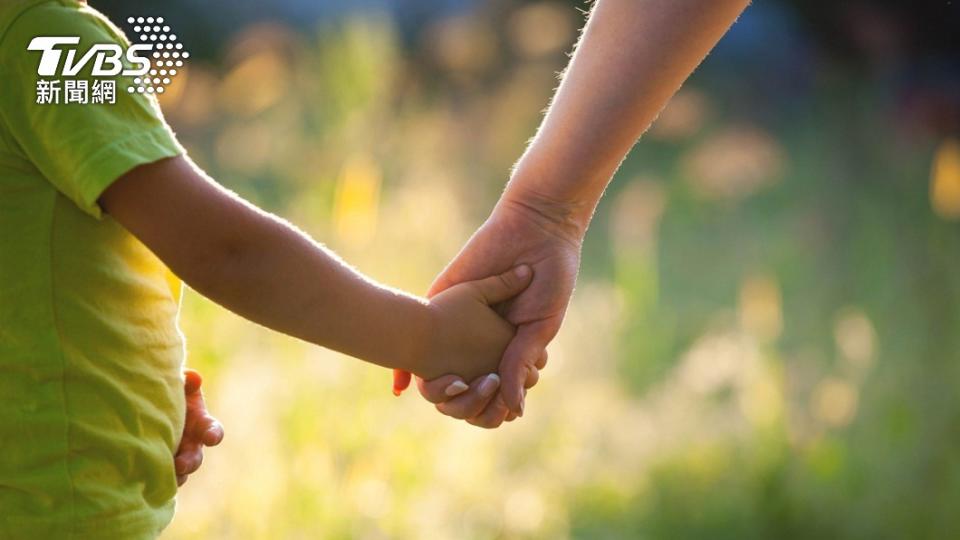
(166, 59)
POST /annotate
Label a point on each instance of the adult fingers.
(502, 287)
(522, 353)
(542, 360)
(474, 401)
(492, 416)
(533, 372)
(533, 376)
(441, 388)
(511, 416)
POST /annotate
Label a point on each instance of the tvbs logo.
(152, 63)
(106, 57)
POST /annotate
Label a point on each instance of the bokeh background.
(764, 339)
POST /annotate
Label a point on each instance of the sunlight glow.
(945, 180)
(358, 194)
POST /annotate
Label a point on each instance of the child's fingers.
(204, 429)
(200, 426)
(442, 388)
(181, 479)
(188, 462)
(183, 459)
(192, 381)
(401, 380)
(499, 288)
(214, 433)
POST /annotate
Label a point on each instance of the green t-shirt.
(91, 391)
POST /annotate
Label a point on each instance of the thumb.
(502, 287)
(440, 284)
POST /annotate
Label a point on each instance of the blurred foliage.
(764, 342)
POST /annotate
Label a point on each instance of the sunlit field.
(764, 338)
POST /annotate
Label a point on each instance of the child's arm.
(264, 269)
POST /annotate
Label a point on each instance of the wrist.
(416, 342)
(395, 329)
(565, 219)
(554, 199)
(422, 342)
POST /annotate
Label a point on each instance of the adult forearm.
(633, 56)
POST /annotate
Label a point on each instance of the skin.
(632, 57)
(199, 430)
(267, 271)
(264, 269)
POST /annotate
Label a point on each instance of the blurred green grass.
(763, 342)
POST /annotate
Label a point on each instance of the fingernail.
(522, 271)
(456, 388)
(489, 385)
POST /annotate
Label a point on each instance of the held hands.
(527, 231)
(467, 336)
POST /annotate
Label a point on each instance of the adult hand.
(631, 58)
(519, 231)
(199, 429)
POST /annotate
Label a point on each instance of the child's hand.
(199, 429)
(467, 336)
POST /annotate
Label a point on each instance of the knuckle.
(542, 360)
(533, 377)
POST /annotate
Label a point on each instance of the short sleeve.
(80, 148)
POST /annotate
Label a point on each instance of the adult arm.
(632, 57)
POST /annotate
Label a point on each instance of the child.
(96, 203)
